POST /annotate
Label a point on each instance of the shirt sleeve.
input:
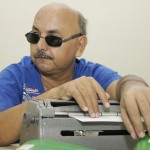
(9, 90)
(105, 76)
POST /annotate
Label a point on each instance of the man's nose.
(42, 43)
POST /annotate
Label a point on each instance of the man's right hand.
(86, 91)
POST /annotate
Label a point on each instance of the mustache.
(42, 54)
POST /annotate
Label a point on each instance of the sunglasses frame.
(61, 40)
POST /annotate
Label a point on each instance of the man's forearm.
(129, 79)
(51, 94)
(54, 93)
(11, 119)
(10, 126)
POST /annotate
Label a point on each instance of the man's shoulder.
(86, 68)
(89, 68)
(25, 65)
(85, 63)
(26, 61)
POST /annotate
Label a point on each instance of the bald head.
(61, 14)
(57, 6)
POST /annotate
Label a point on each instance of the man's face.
(58, 23)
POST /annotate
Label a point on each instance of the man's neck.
(52, 81)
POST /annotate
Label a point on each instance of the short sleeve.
(9, 90)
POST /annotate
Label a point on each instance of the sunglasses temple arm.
(72, 37)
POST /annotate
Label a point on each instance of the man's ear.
(81, 45)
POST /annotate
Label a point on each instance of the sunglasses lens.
(53, 41)
(32, 38)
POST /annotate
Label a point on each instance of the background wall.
(118, 32)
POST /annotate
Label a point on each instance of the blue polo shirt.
(22, 81)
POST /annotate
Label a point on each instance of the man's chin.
(43, 67)
(44, 71)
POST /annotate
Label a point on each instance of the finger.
(68, 91)
(148, 98)
(89, 95)
(145, 111)
(135, 117)
(107, 95)
(79, 99)
(128, 123)
(101, 93)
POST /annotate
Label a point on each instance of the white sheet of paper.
(83, 118)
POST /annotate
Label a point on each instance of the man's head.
(57, 54)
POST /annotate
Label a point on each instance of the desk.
(11, 147)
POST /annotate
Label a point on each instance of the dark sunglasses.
(51, 40)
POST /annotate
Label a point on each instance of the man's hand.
(135, 102)
(85, 90)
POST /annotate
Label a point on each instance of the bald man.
(53, 71)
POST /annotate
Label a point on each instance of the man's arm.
(10, 124)
(11, 119)
(134, 95)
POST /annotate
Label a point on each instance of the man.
(57, 38)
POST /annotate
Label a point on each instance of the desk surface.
(11, 147)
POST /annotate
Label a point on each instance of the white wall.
(118, 32)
